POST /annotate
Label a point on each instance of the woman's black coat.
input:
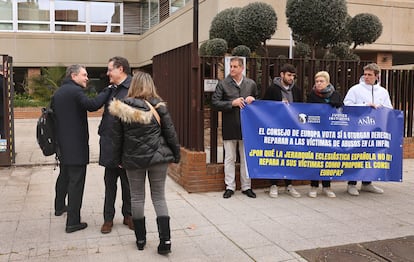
(334, 100)
(138, 139)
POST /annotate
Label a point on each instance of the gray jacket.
(226, 91)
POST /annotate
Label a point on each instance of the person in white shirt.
(367, 93)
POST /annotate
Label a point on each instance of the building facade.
(43, 33)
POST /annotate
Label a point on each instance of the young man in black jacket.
(283, 88)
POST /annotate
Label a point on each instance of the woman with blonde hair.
(145, 141)
(323, 92)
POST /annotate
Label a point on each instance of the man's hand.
(249, 99)
(239, 102)
(373, 105)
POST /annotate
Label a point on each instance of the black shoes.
(58, 213)
(249, 193)
(73, 228)
(228, 193)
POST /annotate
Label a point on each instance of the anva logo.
(366, 121)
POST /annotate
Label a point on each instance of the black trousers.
(325, 183)
(111, 178)
(274, 181)
(70, 182)
(355, 182)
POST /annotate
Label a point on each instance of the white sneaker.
(313, 192)
(291, 191)
(273, 191)
(352, 190)
(328, 192)
(371, 188)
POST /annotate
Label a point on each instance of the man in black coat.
(70, 105)
(283, 88)
(118, 73)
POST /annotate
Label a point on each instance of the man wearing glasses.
(120, 79)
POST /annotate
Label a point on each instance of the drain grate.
(395, 250)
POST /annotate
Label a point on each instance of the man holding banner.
(367, 93)
(283, 88)
(231, 95)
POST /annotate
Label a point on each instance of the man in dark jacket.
(71, 104)
(118, 73)
(283, 88)
(232, 94)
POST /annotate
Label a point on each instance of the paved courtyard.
(205, 227)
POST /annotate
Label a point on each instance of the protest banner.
(318, 142)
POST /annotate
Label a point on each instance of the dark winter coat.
(334, 100)
(226, 91)
(106, 155)
(71, 104)
(138, 139)
(274, 92)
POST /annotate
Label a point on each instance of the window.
(154, 13)
(177, 4)
(61, 16)
(140, 17)
(94, 17)
(6, 15)
(33, 15)
(70, 16)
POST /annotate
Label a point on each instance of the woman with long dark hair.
(145, 141)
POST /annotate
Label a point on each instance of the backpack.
(46, 132)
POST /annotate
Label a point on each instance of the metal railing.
(172, 71)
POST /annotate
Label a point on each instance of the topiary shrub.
(216, 47)
(241, 50)
(365, 29)
(222, 26)
(352, 57)
(302, 50)
(330, 56)
(202, 49)
(255, 24)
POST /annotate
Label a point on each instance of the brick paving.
(205, 227)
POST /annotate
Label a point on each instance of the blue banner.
(318, 142)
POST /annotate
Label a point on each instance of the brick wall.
(194, 175)
(408, 148)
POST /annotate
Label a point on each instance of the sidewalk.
(205, 227)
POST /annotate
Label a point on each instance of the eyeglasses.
(111, 69)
